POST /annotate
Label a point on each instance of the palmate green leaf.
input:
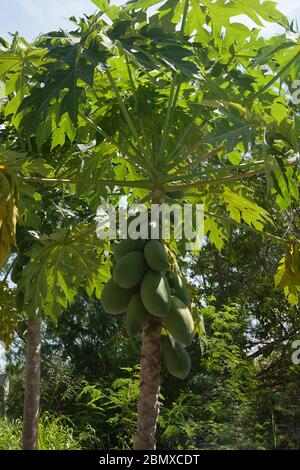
(287, 277)
(17, 65)
(29, 196)
(279, 111)
(215, 14)
(288, 133)
(291, 63)
(30, 206)
(231, 135)
(65, 82)
(255, 10)
(240, 208)
(274, 48)
(73, 61)
(64, 130)
(235, 123)
(234, 157)
(101, 4)
(284, 185)
(89, 69)
(112, 11)
(214, 231)
(24, 165)
(59, 265)
(153, 48)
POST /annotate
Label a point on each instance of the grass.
(55, 433)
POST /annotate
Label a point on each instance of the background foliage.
(182, 99)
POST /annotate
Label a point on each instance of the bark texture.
(148, 407)
(32, 385)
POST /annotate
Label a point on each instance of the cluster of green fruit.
(143, 284)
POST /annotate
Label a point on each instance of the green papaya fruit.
(177, 359)
(115, 299)
(129, 270)
(179, 194)
(123, 247)
(156, 256)
(179, 288)
(156, 294)
(180, 322)
(136, 315)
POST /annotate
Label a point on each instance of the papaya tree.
(161, 101)
(29, 235)
(34, 212)
(37, 218)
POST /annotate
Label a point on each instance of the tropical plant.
(55, 433)
(156, 98)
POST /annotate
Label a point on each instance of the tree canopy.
(144, 100)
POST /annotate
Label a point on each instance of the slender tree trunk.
(148, 407)
(32, 385)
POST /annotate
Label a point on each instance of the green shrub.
(10, 434)
(55, 433)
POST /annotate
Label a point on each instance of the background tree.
(106, 87)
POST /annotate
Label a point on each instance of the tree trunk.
(148, 407)
(32, 385)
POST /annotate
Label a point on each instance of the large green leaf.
(170, 93)
(241, 208)
(287, 276)
(59, 265)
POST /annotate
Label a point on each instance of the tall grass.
(10, 434)
(55, 433)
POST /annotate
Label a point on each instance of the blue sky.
(31, 17)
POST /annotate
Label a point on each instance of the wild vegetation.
(159, 103)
